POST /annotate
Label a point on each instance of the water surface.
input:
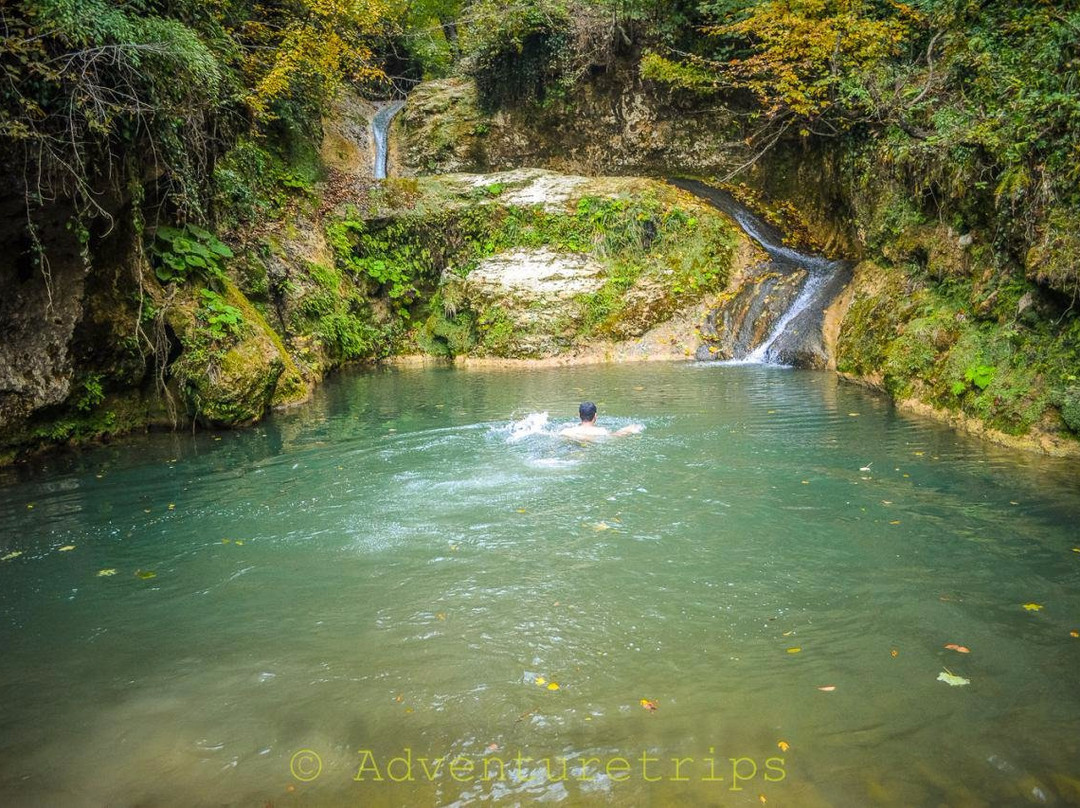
(411, 560)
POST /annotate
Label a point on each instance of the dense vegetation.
(192, 123)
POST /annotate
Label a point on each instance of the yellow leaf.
(853, 415)
(30, 506)
(226, 541)
(952, 679)
(106, 572)
(521, 510)
(894, 653)
(784, 745)
(894, 522)
(441, 615)
(1033, 607)
(172, 506)
(67, 548)
(789, 633)
(146, 575)
(11, 555)
(239, 542)
(552, 686)
(541, 681)
(1074, 633)
(794, 650)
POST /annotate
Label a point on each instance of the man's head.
(587, 412)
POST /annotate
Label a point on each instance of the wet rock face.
(748, 313)
(39, 311)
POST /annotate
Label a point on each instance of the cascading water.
(380, 127)
(794, 338)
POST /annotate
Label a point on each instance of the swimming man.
(588, 430)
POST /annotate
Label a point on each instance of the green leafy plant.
(222, 320)
(177, 253)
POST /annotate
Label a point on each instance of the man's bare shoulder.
(584, 432)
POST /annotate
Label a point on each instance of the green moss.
(930, 341)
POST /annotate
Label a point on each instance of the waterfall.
(795, 336)
(380, 127)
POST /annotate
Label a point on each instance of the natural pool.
(394, 567)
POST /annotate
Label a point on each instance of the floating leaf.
(960, 649)
(492, 747)
(30, 506)
(601, 526)
(441, 616)
(172, 506)
(1074, 633)
(1033, 607)
(239, 542)
(794, 650)
(894, 653)
(540, 680)
(11, 555)
(649, 705)
(826, 688)
(789, 633)
(853, 415)
(552, 686)
(105, 573)
(894, 522)
(146, 575)
(522, 510)
(67, 548)
(784, 745)
(953, 679)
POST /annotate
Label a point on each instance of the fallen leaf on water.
(239, 542)
(960, 649)
(762, 798)
(806, 482)
(290, 788)
(146, 575)
(894, 522)
(826, 688)
(894, 653)
(491, 747)
(1076, 549)
(1074, 633)
(952, 679)
(67, 548)
(540, 680)
(399, 698)
(11, 555)
(639, 388)
(440, 616)
(522, 510)
(106, 572)
(853, 415)
(226, 541)
(172, 506)
(649, 705)
(1033, 607)
(886, 502)
(794, 650)
(601, 526)
(408, 709)
(784, 745)
(553, 686)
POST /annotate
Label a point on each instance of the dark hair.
(587, 411)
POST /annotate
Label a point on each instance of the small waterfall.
(795, 337)
(380, 127)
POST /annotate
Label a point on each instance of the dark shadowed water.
(403, 568)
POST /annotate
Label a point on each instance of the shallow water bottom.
(412, 592)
